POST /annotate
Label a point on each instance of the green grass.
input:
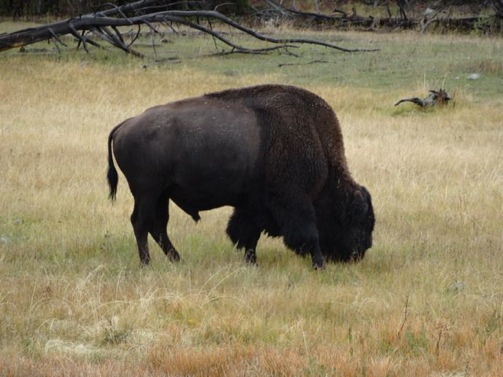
(407, 60)
(425, 301)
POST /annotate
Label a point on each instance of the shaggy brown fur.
(273, 152)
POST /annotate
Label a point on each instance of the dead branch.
(103, 25)
(340, 19)
(440, 18)
(440, 98)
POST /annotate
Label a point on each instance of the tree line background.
(64, 8)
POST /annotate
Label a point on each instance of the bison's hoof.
(319, 266)
(173, 256)
(356, 257)
(251, 257)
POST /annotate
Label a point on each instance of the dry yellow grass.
(426, 301)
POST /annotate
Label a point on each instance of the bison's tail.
(112, 176)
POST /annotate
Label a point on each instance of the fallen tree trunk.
(104, 25)
(440, 98)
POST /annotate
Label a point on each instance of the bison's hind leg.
(150, 215)
(140, 229)
(244, 233)
(158, 228)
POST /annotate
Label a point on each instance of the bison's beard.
(342, 241)
(344, 247)
(345, 224)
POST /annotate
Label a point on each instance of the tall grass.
(426, 300)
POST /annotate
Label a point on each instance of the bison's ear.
(359, 207)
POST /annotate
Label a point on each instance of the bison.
(273, 152)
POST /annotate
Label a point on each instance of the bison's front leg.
(296, 217)
(244, 233)
(305, 241)
(317, 258)
(251, 256)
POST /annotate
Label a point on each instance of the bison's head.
(346, 232)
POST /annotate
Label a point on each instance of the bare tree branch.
(104, 25)
(439, 97)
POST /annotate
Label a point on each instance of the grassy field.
(427, 300)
